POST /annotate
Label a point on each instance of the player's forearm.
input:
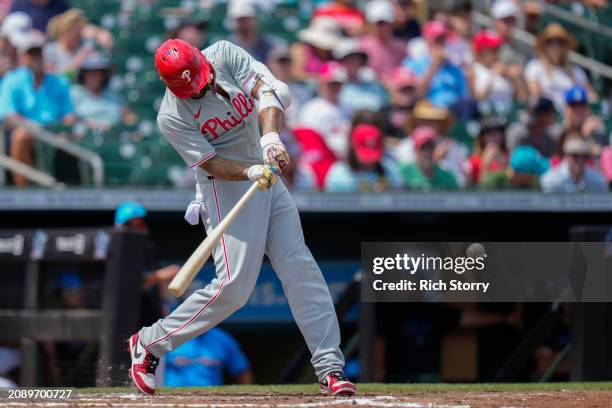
(225, 169)
(271, 120)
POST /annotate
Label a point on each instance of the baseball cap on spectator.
(527, 160)
(579, 145)
(129, 210)
(490, 123)
(486, 40)
(606, 162)
(240, 9)
(434, 29)
(322, 32)
(15, 25)
(422, 135)
(378, 11)
(280, 53)
(576, 95)
(367, 143)
(346, 47)
(503, 9)
(401, 78)
(69, 281)
(332, 72)
(542, 105)
(32, 39)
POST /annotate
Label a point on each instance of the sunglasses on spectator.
(579, 156)
(577, 104)
(556, 41)
(510, 20)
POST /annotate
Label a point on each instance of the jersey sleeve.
(186, 139)
(242, 66)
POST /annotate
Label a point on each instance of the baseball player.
(215, 104)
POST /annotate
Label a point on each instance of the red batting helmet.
(182, 67)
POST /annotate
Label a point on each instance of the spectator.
(540, 130)
(459, 43)
(14, 27)
(41, 11)
(573, 174)
(30, 93)
(425, 173)
(314, 48)
(324, 114)
(346, 13)
(578, 115)
(406, 26)
(526, 166)
(505, 15)
(441, 81)
(402, 90)
(362, 90)
(203, 361)
(490, 154)
(131, 216)
(450, 154)
(552, 74)
(279, 62)
(192, 32)
(385, 53)
(606, 164)
(93, 100)
(75, 39)
(490, 80)
(366, 168)
(244, 17)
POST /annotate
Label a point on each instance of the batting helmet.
(182, 67)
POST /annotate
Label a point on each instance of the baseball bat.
(190, 269)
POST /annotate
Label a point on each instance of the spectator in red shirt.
(385, 53)
(490, 153)
(350, 18)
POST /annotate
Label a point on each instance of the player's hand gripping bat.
(190, 269)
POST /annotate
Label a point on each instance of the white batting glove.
(264, 175)
(274, 151)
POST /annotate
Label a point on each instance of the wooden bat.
(190, 269)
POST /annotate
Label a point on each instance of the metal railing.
(575, 19)
(68, 147)
(595, 67)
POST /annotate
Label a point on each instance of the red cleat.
(144, 364)
(337, 384)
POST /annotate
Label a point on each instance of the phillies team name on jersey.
(243, 107)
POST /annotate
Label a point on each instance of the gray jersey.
(199, 129)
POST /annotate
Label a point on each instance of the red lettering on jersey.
(243, 107)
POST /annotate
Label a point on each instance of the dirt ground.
(557, 399)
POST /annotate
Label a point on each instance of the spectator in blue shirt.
(362, 90)
(574, 174)
(30, 93)
(203, 360)
(41, 11)
(440, 81)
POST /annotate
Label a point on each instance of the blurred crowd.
(387, 94)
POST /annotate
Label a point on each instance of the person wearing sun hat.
(552, 74)
(574, 174)
(425, 173)
(366, 167)
(314, 47)
(385, 52)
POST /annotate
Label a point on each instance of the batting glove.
(264, 175)
(274, 151)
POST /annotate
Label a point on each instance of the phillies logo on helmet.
(186, 75)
